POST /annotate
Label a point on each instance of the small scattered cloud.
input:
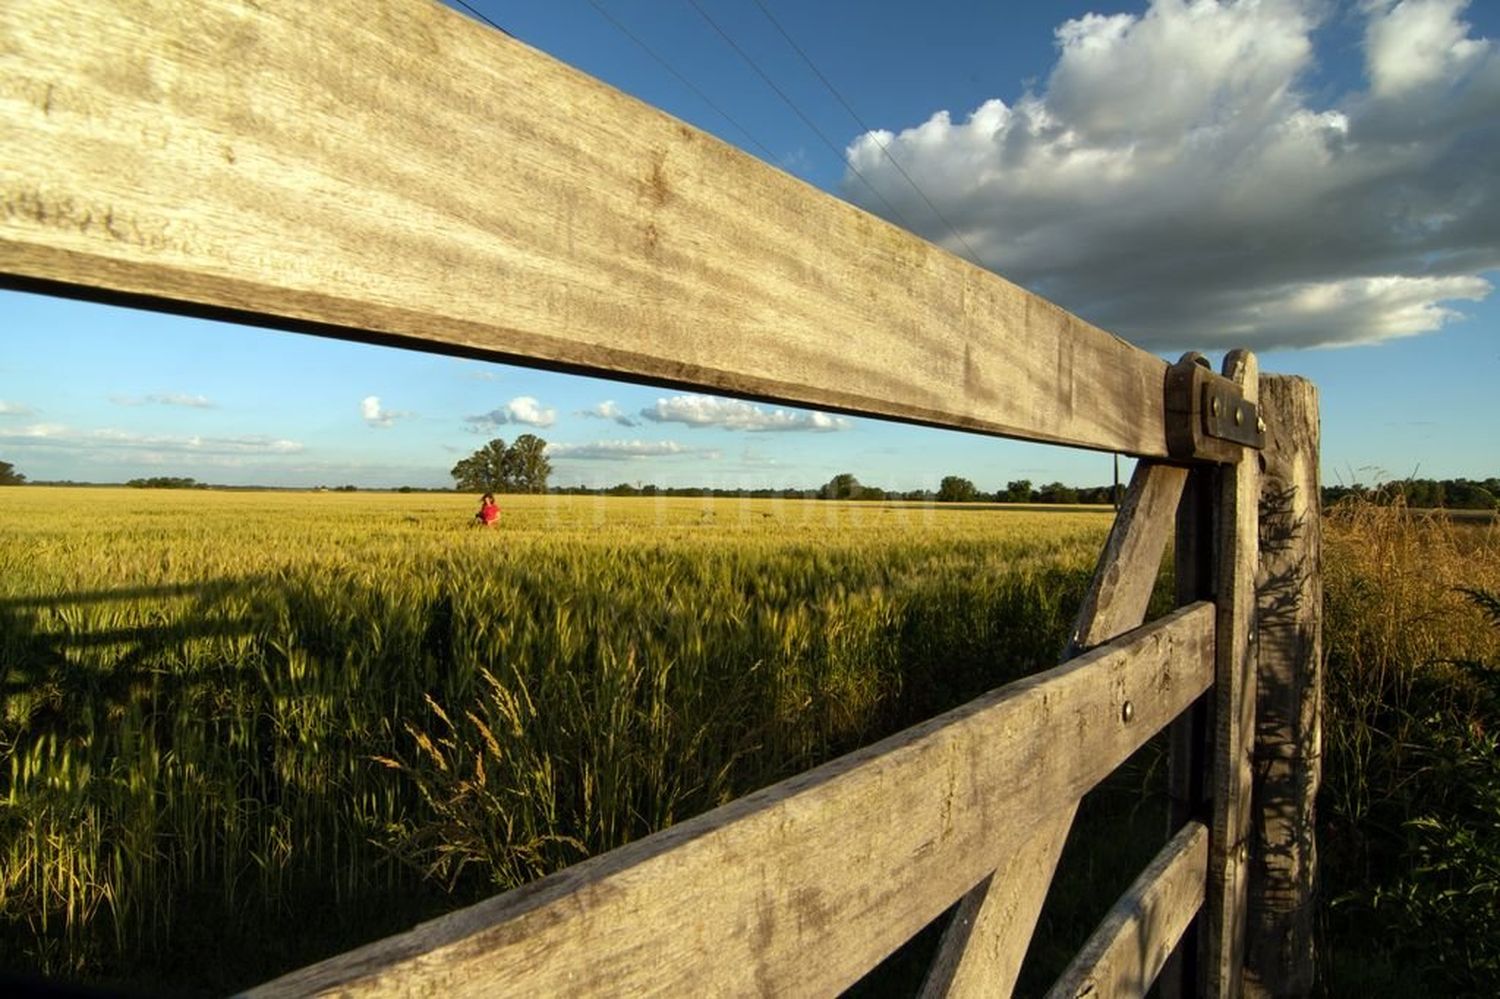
(36, 431)
(607, 410)
(375, 415)
(523, 409)
(736, 414)
(14, 409)
(186, 399)
(609, 450)
(183, 399)
(60, 436)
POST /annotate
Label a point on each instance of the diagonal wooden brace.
(982, 950)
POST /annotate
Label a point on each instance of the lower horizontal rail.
(1127, 951)
(800, 888)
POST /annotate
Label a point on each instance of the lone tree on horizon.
(957, 489)
(9, 476)
(495, 468)
(841, 486)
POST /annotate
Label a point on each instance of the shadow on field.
(168, 793)
(68, 657)
(242, 731)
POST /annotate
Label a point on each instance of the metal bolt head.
(1127, 711)
(1239, 415)
(1214, 405)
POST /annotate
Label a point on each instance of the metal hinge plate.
(1208, 417)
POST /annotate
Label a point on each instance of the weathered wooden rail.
(393, 172)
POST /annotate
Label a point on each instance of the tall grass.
(299, 721)
(1410, 807)
(302, 721)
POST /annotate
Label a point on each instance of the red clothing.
(489, 513)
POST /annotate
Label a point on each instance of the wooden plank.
(1127, 951)
(1289, 696)
(1122, 584)
(982, 949)
(800, 888)
(1189, 743)
(392, 170)
(1187, 779)
(1237, 545)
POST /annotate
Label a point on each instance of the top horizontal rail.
(393, 171)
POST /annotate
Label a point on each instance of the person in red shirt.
(488, 511)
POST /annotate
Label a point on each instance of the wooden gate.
(393, 172)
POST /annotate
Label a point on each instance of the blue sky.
(1319, 181)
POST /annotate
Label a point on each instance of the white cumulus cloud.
(1418, 44)
(525, 409)
(14, 409)
(1174, 180)
(736, 414)
(607, 450)
(375, 415)
(522, 409)
(607, 410)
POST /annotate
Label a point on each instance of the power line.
(973, 256)
(769, 156)
(486, 20)
(796, 110)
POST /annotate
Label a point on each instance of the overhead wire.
(769, 156)
(785, 98)
(483, 18)
(797, 111)
(973, 255)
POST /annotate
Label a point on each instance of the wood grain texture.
(1190, 745)
(1124, 955)
(1126, 574)
(982, 950)
(1289, 696)
(800, 888)
(1237, 554)
(983, 946)
(391, 169)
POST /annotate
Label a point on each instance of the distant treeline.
(1424, 494)
(167, 482)
(1451, 494)
(180, 482)
(953, 489)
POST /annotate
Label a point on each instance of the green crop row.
(297, 721)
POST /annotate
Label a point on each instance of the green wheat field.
(300, 720)
(243, 731)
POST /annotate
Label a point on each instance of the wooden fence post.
(1288, 738)
(1235, 540)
